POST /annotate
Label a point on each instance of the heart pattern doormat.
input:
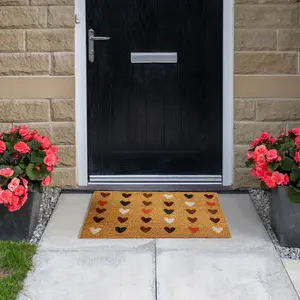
(154, 215)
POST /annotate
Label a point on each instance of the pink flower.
(272, 139)
(23, 131)
(6, 196)
(28, 137)
(262, 149)
(51, 150)
(19, 191)
(14, 184)
(46, 181)
(25, 182)
(282, 133)
(269, 181)
(297, 141)
(296, 131)
(7, 172)
(264, 135)
(279, 178)
(2, 147)
(297, 157)
(271, 155)
(253, 172)
(38, 168)
(286, 179)
(22, 147)
(50, 160)
(249, 155)
(45, 143)
(49, 169)
(13, 129)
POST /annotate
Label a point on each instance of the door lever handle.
(91, 46)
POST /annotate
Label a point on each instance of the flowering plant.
(26, 162)
(276, 162)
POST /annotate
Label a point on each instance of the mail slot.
(154, 57)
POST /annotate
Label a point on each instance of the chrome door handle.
(93, 38)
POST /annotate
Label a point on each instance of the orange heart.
(211, 203)
(102, 203)
(194, 229)
(146, 211)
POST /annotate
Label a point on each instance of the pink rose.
(297, 157)
(22, 147)
(13, 129)
(23, 131)
(28, 137)
(264, 135)
(45, 143)
(14, 183)
(249, 155)
(262, 149)
(46, 181)
(49, 169)
(297, 141)
(296, 131)
(19, 191)
(6, 196)
(272, 139)
(2, 147)
(278, 177)
(271, 155)
(25, 182)
(7, 172)
(286, 179)
(269, 181)
(50, 160)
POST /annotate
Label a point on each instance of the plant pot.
(19, 225)
(285, 217)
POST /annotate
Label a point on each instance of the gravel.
(49, 200)
(260, 200)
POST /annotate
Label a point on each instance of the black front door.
(155, 87)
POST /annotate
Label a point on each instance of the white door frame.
(81, 92)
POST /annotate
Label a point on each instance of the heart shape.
(124, 211)
(102, 203)
(188, 196)
(212, 211)
(191, 211)
(190, 204)
(145, 229)
(147, 203)
(217, 220)
(146, 211)
(100, 211)
(168, 196)
(169, 220)
(168, 211)
(120, 229)
(95, 230)
(194, 229)
(104, 194)
(146, 220)
(125, 203)
(169, 229)
(98, 220)
(122, 220)
(217, 229)
(147, 195)
(192, 220)
(211, 203)
(168, 203)
(126, 195)
(208, 196)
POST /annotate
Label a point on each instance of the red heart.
(145, 229)
(122, 220)
(211, 203)
(217, 220)
(194, 229)
(146, 220)
(104, 194)
(146, 211)
(212, 211)
(102, 203)
(192, 220)
(169, 230)
(147, 195)
(126, 195)
(208, 196)
(168, 203)
(147, 203)
(191, 211)
(100, 211)
(98, 220)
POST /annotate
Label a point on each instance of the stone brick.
(12, 40)
(246, 132)
(246, 1)
(63, 110)
(5, 126)
(244, 109)
(63, 133)
(24, 64)
(43, 129)
(61, 16)
(278, 1)
(266, 63)
(266, 16)
(258, 40)
(50, 40)
(13, 2)
(240, 152)
(66, 156)
(277, 110)
(64, 177)
(23, 17)
(63, 64)
(52, 2)
(243, 179)
(291, 125)
(24, 110)
(289, 40)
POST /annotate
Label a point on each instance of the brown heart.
(192, 220)
(191, 211)
(217, 220)
(168, 203)
(169, 229)
(100, 211)
(104, 194)
(98, 220)
(122, 220)
(213, 211)
(147, 203)
(147, 195)
(146, 220)
(145, 229)
(208, 196)
(126, 195)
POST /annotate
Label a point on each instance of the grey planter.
(285, 217)
(19, 225)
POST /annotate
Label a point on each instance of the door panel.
(155, 118)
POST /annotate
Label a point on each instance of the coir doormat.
(154, 215)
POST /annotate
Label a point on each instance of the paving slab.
(293, 269)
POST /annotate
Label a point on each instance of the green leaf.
(294, 195)
(287, 163)
(288, 144)
(36, 158)
(263, 186)
(34, 145)
(9, 146)
(32, 172)
(273, 166)
(295, 175)
(44, 172)
(34, 186)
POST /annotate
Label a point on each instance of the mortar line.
(155, 270)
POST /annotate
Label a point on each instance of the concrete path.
(245, 267)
